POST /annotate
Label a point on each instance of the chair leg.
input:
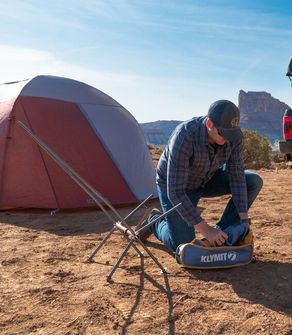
(109, 276)
(95, 250)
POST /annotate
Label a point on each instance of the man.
(204, 158)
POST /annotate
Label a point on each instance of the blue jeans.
(173, 230)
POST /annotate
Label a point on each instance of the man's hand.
(214, 236)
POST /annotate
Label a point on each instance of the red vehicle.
(286, 145)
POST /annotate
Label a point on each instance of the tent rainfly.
(88, 129)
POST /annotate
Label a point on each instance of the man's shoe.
(149, 216)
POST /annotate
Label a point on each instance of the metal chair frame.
(119, 223)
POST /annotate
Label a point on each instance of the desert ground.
(48, 287)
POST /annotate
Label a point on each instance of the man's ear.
(209, 124)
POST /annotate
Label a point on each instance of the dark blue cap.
(225, 116)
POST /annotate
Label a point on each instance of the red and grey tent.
(88, 129)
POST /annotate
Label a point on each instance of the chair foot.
(164, 271)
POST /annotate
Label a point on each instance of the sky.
(162, 60)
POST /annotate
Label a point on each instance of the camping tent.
(88, 129)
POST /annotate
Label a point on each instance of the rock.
(263, 113)
(259, 111)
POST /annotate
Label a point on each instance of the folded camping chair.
(120, 224)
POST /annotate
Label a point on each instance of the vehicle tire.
(285, 147)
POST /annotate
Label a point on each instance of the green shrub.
(257, 150)
(278, 157)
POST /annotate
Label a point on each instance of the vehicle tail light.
(287, 125)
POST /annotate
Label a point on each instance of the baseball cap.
(225, 116)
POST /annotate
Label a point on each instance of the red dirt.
(47, 287)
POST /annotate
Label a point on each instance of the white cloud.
(14, 54)
(147, 98)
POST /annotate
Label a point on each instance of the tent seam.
(85, 115)
(42, 158)
(10, 119)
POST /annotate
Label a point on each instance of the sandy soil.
(47, 287)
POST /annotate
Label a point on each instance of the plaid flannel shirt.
(189, 162)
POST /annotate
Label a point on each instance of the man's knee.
(179, 231)
(254, 181)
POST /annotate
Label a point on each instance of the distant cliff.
(261, 112)
(158, 132)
